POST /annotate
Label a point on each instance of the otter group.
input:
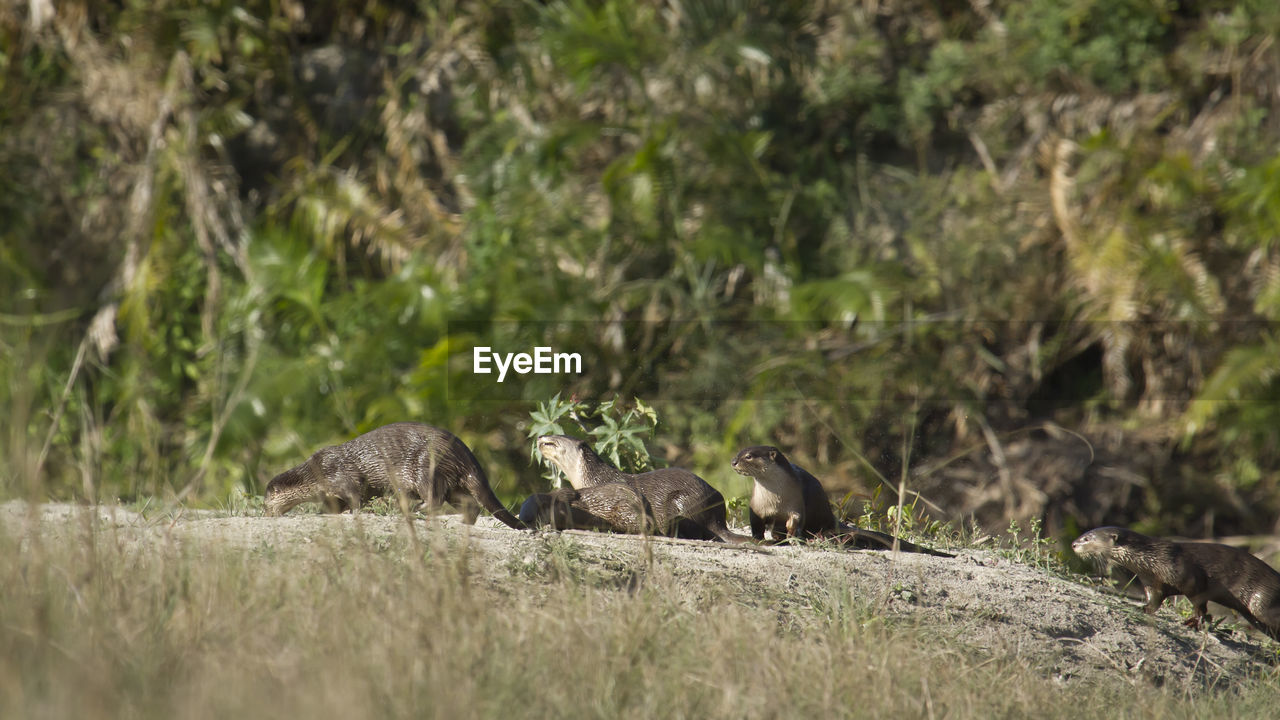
(429, 465)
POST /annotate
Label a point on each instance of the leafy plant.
(618, 432)
(1034, 549)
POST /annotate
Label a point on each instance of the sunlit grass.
(95, 624)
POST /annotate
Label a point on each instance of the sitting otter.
(790, 503)
(413, 459)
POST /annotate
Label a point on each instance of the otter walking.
(683, 504)
(411, 458)
(789, 502)
(1204, 572)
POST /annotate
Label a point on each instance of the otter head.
(281, 495)
(290, 488)
(570, 455)
(757, 460)
(1100, 542)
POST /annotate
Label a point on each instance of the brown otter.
(417, 460)
(1204, 572)
(683, 504)
(790, 503)
(610, 507)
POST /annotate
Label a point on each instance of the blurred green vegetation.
(231, 232)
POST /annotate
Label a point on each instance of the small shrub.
(617, 432)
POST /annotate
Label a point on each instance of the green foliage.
(880, 514)
(618, 433)
(1115, 45)
(251, 229)
(1034, 549)
(1241, 396)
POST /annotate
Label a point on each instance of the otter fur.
(682, 504)
(789, 502)
(413, 460)
(1204, 572)
(609, 507)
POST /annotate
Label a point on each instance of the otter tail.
(707, 522)
(858, 537)
(478, 486)
(720, 529)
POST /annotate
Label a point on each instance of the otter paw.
(1196, 621)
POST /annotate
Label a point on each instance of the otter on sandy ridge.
(682, 504)
(411, 459)
(789, 502)
(609, 507)
(1204, 572)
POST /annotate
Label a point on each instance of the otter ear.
(773, 453)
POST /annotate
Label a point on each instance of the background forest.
(1025, 254)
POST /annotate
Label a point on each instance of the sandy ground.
(1071, 631)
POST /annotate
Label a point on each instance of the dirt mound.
(1070, 631)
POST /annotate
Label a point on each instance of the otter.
(1203, 572)
(682, 504)
(609, 507)
(412, 459)
(789, 502)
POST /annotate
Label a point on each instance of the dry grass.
(95, 623)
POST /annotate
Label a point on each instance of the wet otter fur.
(1204, 572)
(413, 460)
(790, 502)
(683, 504)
